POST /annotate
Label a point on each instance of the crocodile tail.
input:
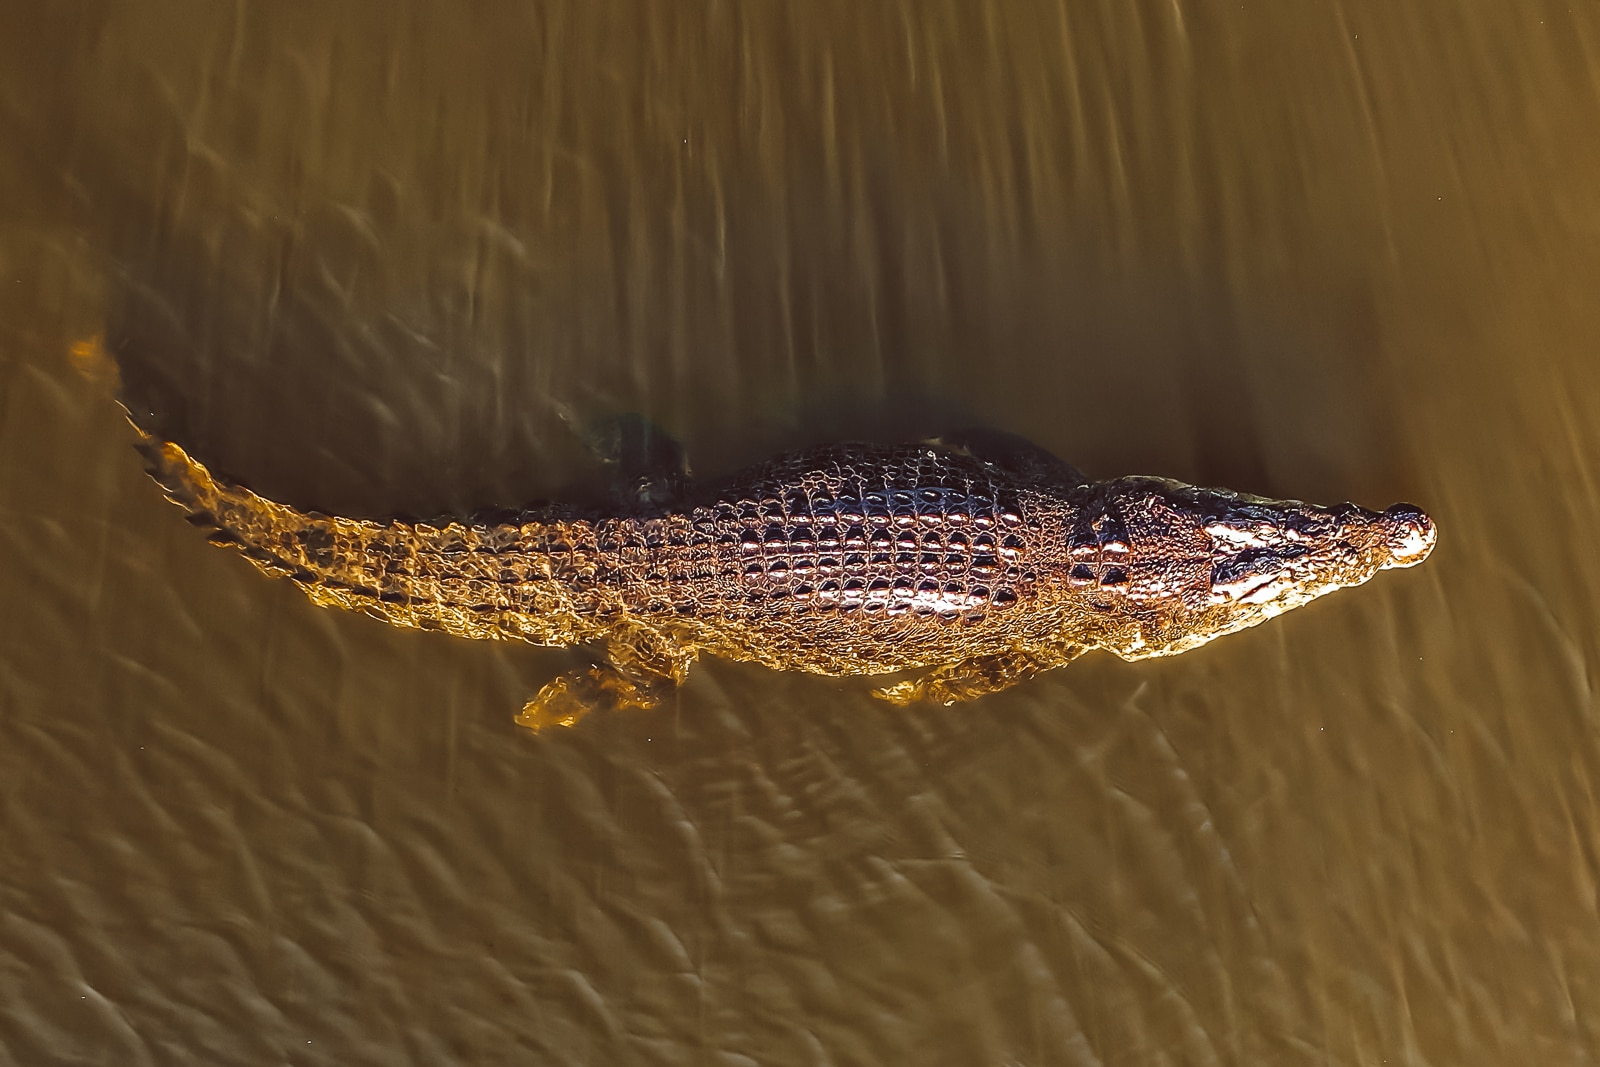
(270, 535)
(524, 579)
(312, 549)
(345, 563)
(531, 578)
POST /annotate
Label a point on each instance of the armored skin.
(974, 561)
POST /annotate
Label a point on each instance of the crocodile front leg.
(643, 666)
(972, 678)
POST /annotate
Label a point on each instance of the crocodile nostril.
(1410, 534)
(1114, 576)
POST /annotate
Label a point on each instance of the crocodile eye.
(1114, 576)
(1081, 575)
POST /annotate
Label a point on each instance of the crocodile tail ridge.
(337, 562)
(275, 537)
(513, 580)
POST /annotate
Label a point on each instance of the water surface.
(391, 259)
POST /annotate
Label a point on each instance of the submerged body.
(976, 564)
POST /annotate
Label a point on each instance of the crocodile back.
(859, 558)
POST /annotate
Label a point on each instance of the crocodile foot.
(643, 666)
(573, 695)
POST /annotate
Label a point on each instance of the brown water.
(390, 260)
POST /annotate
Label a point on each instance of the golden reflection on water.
(391, 261)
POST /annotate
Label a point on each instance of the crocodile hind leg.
(642, 667)
(649, 468)
(972, 678)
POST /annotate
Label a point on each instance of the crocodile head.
(1193, 564)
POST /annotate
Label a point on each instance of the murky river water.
(391, 259)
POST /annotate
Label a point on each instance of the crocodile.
(965, 563)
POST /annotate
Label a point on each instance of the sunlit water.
(392, 263)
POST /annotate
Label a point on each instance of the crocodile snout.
(1410, 535)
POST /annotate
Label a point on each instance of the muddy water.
(393, 259)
